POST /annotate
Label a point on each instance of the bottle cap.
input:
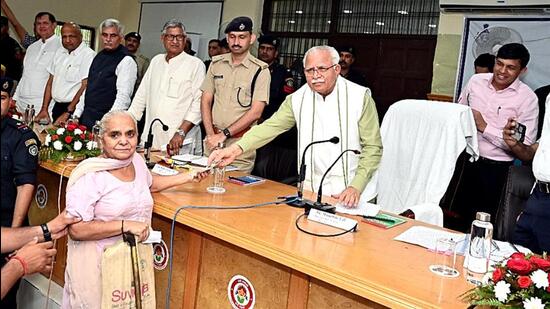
(483, 216)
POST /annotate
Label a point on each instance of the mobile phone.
(519, 132)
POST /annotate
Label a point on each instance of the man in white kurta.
(38, 58)
(329, 105)
(170, 91)
(68, 77)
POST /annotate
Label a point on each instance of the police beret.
(239, 24)
(7, 84)
(269, 39)
(347, 49)
(133, 35)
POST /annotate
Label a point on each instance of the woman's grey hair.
(111, 22)
(334, 55)
(113, 114)
(173, 23)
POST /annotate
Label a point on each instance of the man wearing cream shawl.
(329, 105)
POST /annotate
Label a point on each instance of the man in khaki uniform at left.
(235, 92)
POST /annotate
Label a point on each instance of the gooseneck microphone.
(149, 142)
(320, 191)
(302, 174)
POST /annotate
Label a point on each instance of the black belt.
(490, 161)
(62, 102)
(543, 187)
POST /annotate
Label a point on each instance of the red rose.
(498, 274)
(82, 136)
(82, 127)
(90, 136)
(517, 255)
(524, 282)
(68, 139)
(519, 266)
(71, 127)
(55, 137)
(540, 263)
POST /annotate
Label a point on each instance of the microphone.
(325, 206)
(299, 202)
(149, 142)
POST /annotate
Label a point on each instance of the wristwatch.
(226, 132)
(181, 132)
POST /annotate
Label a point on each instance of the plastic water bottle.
(31, 116)
(26, 114)
(95, 133)
(479, 251)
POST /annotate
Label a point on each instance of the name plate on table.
(332, 220)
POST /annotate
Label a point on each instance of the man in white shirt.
(38, 58)
(68, 76)
(170, 91)
(532, 226)
(112, 76)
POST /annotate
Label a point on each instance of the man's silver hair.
(113, 114)
(111, 22)
(334, 55)
(173, 23)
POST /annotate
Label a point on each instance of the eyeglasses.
(319, 70)
(171, 37)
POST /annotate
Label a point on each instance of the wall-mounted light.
(299, 12)
(379, 23)
(347, 11)
(402, 12)
(291, 21)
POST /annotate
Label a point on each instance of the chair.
(276, 163)
(514, 197)
(421, 142)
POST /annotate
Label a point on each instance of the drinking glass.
(218, 181)
(445, 258)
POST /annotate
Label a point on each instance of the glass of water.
(218, 181)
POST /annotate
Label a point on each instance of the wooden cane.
(131, 240)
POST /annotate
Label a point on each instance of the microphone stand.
(319, 204)
(300, 202)
(149, 142)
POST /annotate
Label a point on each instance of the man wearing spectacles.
(170, 91)
(112, 76)
(238, 84)
(327, 106)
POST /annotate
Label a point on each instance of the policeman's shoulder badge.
(259, 62)
(33, 150)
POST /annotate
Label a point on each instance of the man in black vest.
(112, 76)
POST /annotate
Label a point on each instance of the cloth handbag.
(117, 276)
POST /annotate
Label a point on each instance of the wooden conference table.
(287, 268)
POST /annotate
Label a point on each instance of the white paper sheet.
(427, 237)
(154, 237)
(163, 170)
(362, 209)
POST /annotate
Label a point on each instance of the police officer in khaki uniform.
(235, 92)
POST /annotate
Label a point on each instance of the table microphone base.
(150, 165)
(319, 206)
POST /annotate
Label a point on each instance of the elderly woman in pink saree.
(111, 194)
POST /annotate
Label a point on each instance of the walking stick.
(131, 240)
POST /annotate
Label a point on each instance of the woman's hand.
(140, 229)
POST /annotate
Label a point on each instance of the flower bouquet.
(70, 142)
(522, 281)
